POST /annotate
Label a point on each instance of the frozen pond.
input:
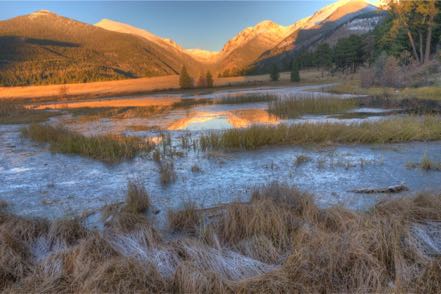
(38, 183)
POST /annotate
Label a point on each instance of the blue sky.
(193, 24)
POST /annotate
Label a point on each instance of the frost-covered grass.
(394, 130)
(294, 107)
(278, 242)
(107, 148)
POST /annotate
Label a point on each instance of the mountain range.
(43, 47)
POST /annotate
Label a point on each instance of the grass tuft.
(167, 174)
(425, 164)
(301, 159)
(137, 198)
(14, 112)
(186, 219)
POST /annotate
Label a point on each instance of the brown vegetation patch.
(14, 112)
(137, 199)
(123, 275)
(396, 130)
(278, 242)
(187, 219)
(107, 148)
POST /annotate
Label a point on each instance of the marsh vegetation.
(107, 148)
(401, 129)
(16, 112)
(278, 242)
(425, 164)
(295, 107)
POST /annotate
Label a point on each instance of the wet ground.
(36, 182)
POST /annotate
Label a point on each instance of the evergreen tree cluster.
(187, 82)
(347, 55)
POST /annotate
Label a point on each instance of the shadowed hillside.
(44, 48)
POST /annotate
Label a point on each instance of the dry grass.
(106, 148)
(402, 129)
(278, 242)
(137, 198)
(87, 114)
(195, 169)
(66, 232)
(425, 164)
(187, 219)
(242, 99)
(190, 102)
(238, 99)
(167, 174)
(122, 275)
(301, 159)
(294, 107)
(3, 204)
(14, 112)
(353, 87)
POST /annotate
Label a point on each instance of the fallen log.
(390, 189)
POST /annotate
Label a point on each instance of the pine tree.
(185, 80)
(202, 82)
(323, 57)
(275, 75)
(295, 74)
(209, 80)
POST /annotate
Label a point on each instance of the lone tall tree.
(185, 80)
(275, 73)
(295, 75)
(209, 80)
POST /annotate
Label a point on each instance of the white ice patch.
(136, 245)
(428, 237)
(229, 264)
(17, 170)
